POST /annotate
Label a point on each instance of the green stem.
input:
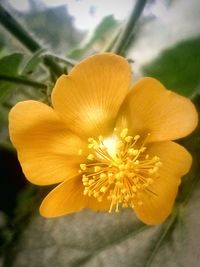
(65, 60)
(20, 33)
(130, 27)
(21, 80)
(109, 46)
(14, 27)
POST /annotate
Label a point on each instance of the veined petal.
(47, 151)
(68, 198)
(157, 204)
(150, 108)
(89, 98)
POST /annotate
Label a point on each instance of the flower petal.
(68, 198)
(47, 151)
(150, 108)
(158, 204)
(65, 198)
(89, 98)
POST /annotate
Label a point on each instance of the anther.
(132, 151)
(128, 139)
(103, 189)
(102, 175)
(90, 146)
(91, 181)
(90, 157)
(136, 137)
(123, 133)
(97, 168)
(143, 149)
(158, 164)
(85, 178)
(83, 167)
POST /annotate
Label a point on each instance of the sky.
(87, 13)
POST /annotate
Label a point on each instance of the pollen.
(118, 169)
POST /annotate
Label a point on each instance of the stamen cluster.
(120, 171)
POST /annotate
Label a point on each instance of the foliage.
(9, 65)
(178, 67)
(99, 38)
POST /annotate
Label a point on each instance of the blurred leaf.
(88, 239)
(178, 68)
(99, 37)
(32, 63)
(9, 65)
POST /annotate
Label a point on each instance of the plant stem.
(66, 60)
(130, 27)
(14, 27)
(109, 46)
(21, 80)
(17, 30)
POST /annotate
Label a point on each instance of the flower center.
(119, 169)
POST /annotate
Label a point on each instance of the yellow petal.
(68, 198)
(150, 108)
(89, 98)
(65, 198)
(158, 204)
(95, 205)
(47, 151)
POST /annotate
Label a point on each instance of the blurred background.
(40, 39)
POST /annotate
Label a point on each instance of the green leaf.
(88, 239)
(9, 65)
(178, 67)
(33, 63)
(103, 31)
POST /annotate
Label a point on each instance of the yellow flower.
(109, 147)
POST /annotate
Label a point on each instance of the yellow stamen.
(120, 170)
(83, 167)
(124, 133)
(90, 157)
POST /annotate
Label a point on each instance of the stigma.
(119, 169)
